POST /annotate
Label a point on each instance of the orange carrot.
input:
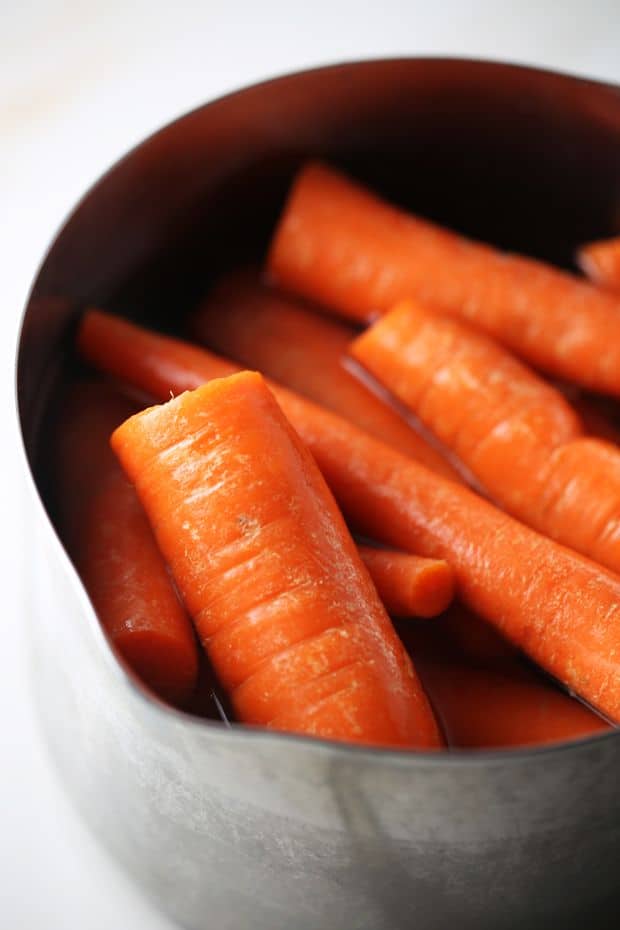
(497, 416)
(111, 543)
(409, 585)
(558, 607)
(303, 351)
(511, 429)
(340, 245)
(600, 261)
(483, 708)
(580, 504)
(283, 605)
(157, 365)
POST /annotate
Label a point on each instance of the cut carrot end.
(408, 585)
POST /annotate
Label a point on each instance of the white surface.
(80, 83)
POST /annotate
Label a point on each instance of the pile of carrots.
(385, 512)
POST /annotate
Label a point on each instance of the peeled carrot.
(158, 365)
(516, 434)
(304, 351)
(409, 585)
(338, 244)
(558, 607)
(600, 261)
(284, 607)
(580, 505)
(497, 416)
(481, 708)
(111, 543)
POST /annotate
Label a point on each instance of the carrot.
(156, 365)
(482, 708)
(109, 539)
(304, 351)
(580, 504)
(600, 261)
(283, 605)
(516, 434)
(409, 585)
(497, 416)
(338, 244)
(558, 607)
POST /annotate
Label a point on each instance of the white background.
(80, 82)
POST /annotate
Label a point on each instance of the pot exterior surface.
(234, 828)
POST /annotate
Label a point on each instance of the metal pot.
(238, 828)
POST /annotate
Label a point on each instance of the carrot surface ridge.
(110, 541)
(283, 605)
(557, 606)
(340, 245)
(302, 350)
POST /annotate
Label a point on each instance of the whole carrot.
(110, 541)
(302, 350)
(600, 261)
(516, 434)
(560, 608)
(283, 605)
(409, 585)
(497, 416)
(580, 503)
(338, 244)
(157, 365)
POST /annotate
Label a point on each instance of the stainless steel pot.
(238, 828)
